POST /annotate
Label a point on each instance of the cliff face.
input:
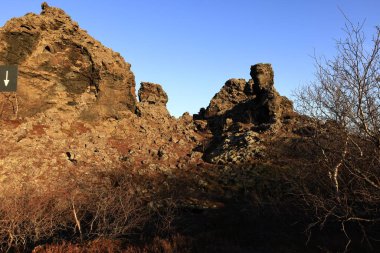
(61, 66)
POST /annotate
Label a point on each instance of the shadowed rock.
(256, 101)
(242, 107)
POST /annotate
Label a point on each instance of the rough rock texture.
(255, 101)
(271, 106)
(233, 92)
(238, 148)
(61, 66)
(152, 93)
(49, 143)
(241, 107)
(153, 101)
(75, 109)
(75, 122)
(75, 112)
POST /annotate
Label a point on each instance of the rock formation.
(153, 101)
(76, 108)
(234, 92)
(244, 108)
(77, 98)
(75, 129)
(255, 101)
(271, 107)
(152, 93)
(61, 66)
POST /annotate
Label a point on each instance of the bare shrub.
(79, 209)
(28, 217)
(341, 183)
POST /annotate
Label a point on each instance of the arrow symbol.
(6, 81)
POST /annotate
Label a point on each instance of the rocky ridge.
(77, 111)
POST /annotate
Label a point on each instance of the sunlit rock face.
(153, 101)
(61, 66)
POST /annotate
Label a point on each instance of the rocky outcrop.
(271, 107)
(76, 110)
(77, 98)
(255, 101)
(152, 93)
(238, 148)
(75, 119)
(153, 101)
(243, 107)
(234, 92)
(61, 66)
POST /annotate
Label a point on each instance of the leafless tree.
(344, 107)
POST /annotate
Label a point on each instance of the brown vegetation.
(78, 209)
(341, 177)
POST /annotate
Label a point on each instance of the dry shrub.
(335, 182)
(341, 182)
(26, 216)
(175, 244)
(340, 187)
(79, 208)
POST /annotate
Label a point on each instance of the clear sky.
(191, 47)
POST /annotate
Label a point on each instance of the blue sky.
(191, 47)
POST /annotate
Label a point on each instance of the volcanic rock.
(153, 101)
(61, 66)
(152, 93)
(233, 92)
(243, 107)
(76, 113)
(75, 108)
(255, 102)
(270, 105)
(238, 148)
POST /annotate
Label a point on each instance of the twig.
(77, 221)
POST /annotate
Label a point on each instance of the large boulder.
(152, 93)
(153, 101)
(61, 66)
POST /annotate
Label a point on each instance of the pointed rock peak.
(53, 11)
(262, 76)
(256, 101)
(44, 5)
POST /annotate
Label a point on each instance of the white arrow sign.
(6, 81)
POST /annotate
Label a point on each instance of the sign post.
(8, 78)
